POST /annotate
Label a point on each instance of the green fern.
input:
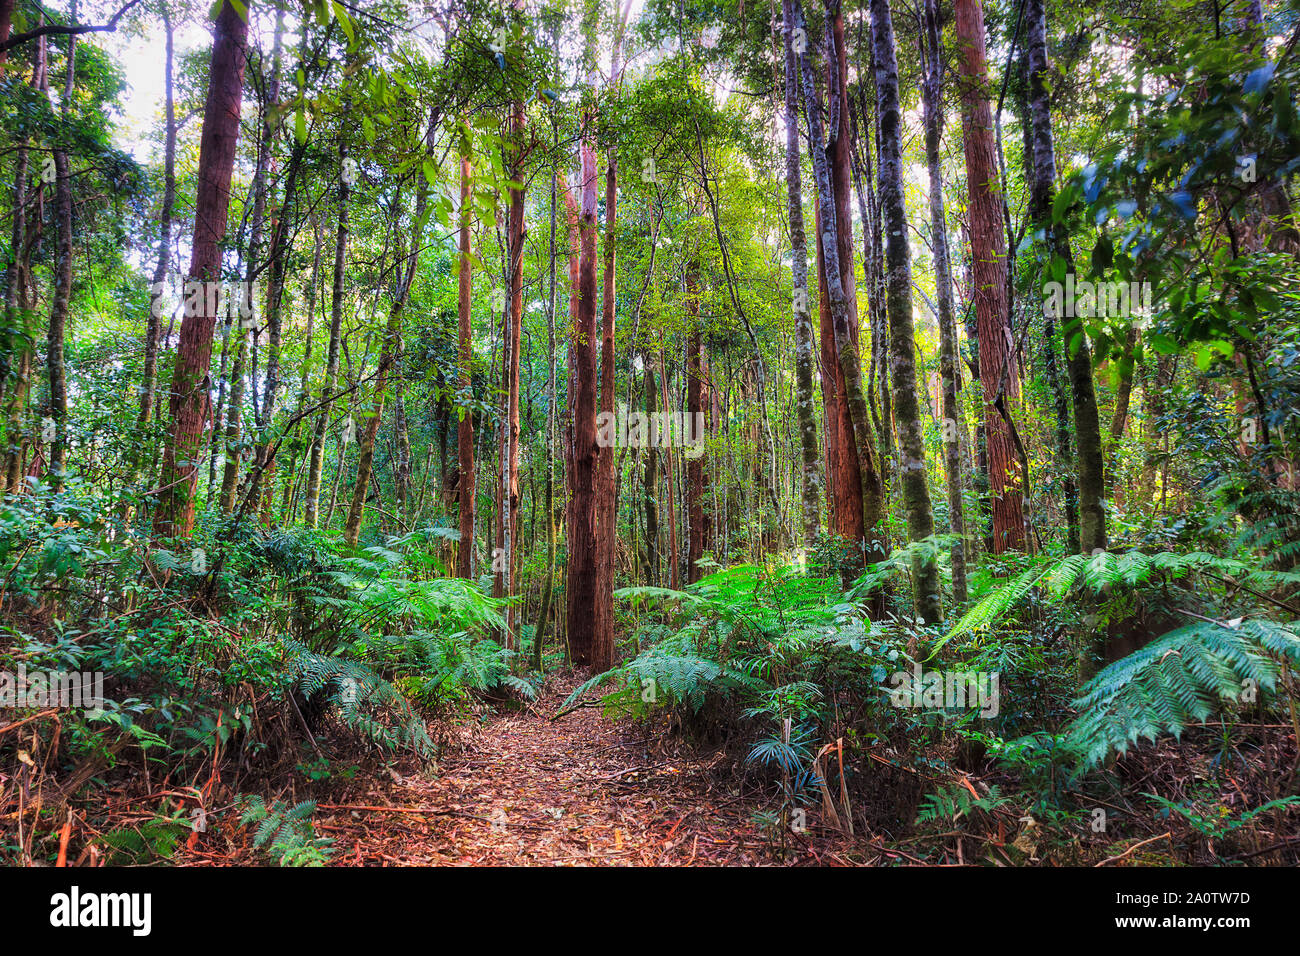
(1181, 678)
(285, 833)
(953, 803)
(1130, 569)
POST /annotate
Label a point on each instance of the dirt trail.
(582, 790)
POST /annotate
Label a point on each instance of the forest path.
(582, 790)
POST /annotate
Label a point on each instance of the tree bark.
(465, 359)
(602, 657)
(902, 345)
(875, 542)
(62, 299)
(803, 327)
(998, 374)
(189, 404)
(1087, 426)
(694, 407)
(932, 93)
(582, 579)
(847, 485)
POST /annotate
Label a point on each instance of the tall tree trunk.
(157, 291)
(1087, 426)
(694, 407)
(508, 534)
(675, 579)
(548, 588)
(998, 374)
(602, 657)
(902, 344)
(848, 486)
(62, 299)
(240, 325)
(875, 542)
(803, 327)
(650, 492)
(17, 305)
(932, 93)
(190, 404)
(582, 587)
(264, 472)
(465, 358)
(17, 361)
(1056, 386)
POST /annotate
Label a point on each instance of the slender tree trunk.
(675, 580)
(54, 365)
(1087, 427)
(508, 533)
(875, 542)
(316, 462)
(157, 291)
(18, 360)
(848, 487)
(26, 231)
(1056, 385)
(189, 404)
(803, 327)
(999, 377)
(602, 657)
(548, 588)
(650, 492)
(932, 91)
(465, 359)
(902, 344)
(694, 406)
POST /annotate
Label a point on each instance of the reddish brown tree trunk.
(190, 403)
(584, 539)
(844, 463)
(602, 657)
(998, 373)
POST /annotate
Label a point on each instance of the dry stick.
(305, 729)
(19, 723)
(1112, 859)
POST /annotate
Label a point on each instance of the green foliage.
(148, 841)
(1187, 675)
(1222, 822)
(285, 834)
(950, 804)
(1057, 580)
